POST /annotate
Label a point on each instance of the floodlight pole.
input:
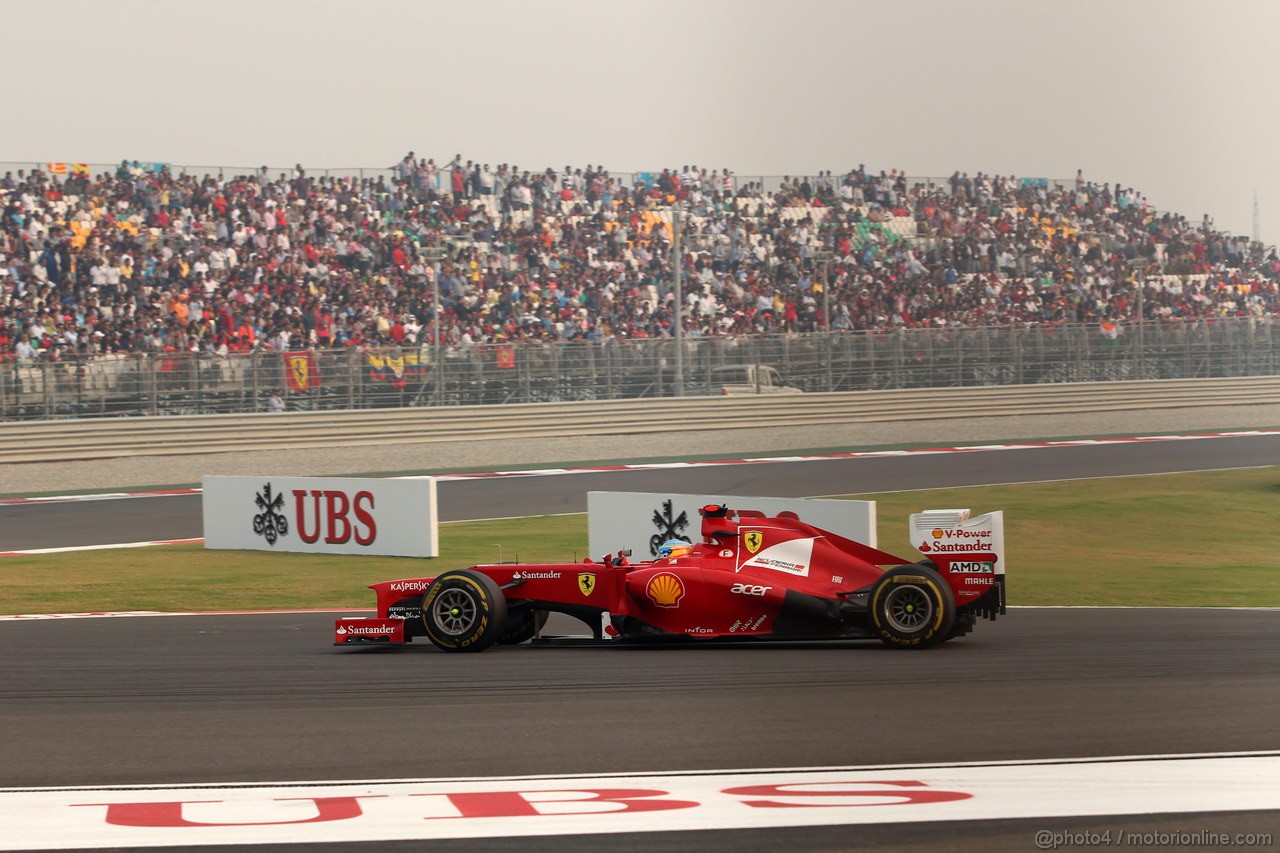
(435, 306)
(1138, 267)
(435, 254)
(826, 290)
(678, 314)
(1142, 327)
(825, 256)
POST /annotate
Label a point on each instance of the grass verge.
(1167, 540)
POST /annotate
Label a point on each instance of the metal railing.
(767, 183)
(171, 383)
(106, 438)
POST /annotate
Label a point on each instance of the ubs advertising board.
(642, 521)
(322, 515)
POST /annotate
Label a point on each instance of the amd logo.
(964, 568)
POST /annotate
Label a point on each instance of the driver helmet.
(673, 548)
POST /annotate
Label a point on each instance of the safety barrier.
(70, 440)
(60, 171)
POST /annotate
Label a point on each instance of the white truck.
(742, 379)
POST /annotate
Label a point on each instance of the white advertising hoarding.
(322, 515)
(641, 521)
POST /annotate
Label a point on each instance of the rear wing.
(959, 542)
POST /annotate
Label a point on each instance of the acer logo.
(749, 589)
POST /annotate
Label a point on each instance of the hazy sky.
(1175, 98)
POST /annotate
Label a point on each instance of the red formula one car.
(751, 577)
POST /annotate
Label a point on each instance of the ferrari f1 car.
(752, 576)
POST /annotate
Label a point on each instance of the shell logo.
(665, 590)
(937, 533)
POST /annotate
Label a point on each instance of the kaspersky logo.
(665, 590)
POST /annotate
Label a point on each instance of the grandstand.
(100, 266)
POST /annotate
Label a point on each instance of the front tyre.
(912, 607)
(463, 611)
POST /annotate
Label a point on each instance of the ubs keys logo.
(270, 523)
(669, 526)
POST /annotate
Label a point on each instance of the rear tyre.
(463, 611)
(912, 607)
(523, 623)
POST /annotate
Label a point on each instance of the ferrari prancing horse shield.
(586, 582)
(753, 539)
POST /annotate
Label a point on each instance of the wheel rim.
(908, 608)
(454, 612)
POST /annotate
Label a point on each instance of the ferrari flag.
(300, 370)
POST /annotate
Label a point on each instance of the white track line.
(545, 472)
(645, 466)
(505, 807)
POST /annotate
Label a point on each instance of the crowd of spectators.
(133, 260)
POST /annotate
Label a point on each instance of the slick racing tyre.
(523, 623)
(463, 611)
(912, 607)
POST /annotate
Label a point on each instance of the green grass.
(1168, 540)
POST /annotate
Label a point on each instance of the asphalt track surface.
(252, 698)
(160, 700)
(141, 519)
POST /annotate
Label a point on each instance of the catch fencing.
(176, 383)
(60, 171)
